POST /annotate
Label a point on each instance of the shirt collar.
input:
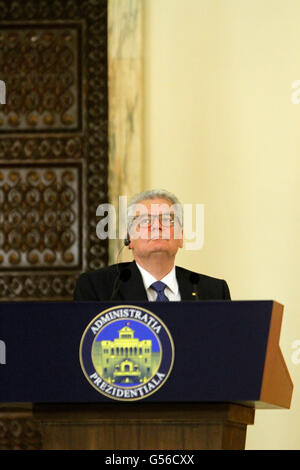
(170, 279)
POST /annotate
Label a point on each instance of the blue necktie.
(159, 287)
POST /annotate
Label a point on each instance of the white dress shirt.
(172, 289)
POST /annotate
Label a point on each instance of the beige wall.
(220, 129)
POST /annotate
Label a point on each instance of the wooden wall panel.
(53, 145)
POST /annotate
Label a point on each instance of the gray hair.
(155, 194)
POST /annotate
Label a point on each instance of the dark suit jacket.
(104, 283)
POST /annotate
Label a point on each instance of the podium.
(216, 363)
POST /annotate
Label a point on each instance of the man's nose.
(156, 223)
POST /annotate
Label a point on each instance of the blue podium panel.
(210, 351)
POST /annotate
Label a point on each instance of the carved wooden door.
(53, 144)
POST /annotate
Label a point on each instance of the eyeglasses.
(146, 221)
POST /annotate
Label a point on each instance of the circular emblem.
(126, 353)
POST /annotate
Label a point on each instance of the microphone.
(123, 276)
(194, 278)
(127, 241)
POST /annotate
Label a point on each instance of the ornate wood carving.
(42, 69)
(53, 145)
(19, 432)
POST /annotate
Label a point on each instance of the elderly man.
(154, 235)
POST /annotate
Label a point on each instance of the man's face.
(155, 229)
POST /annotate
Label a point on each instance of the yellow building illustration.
(126, 359)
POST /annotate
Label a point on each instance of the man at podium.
(155, 233)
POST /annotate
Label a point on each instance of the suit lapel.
(184, 284)
(133, 289)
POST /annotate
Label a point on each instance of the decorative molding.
(18, 429)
